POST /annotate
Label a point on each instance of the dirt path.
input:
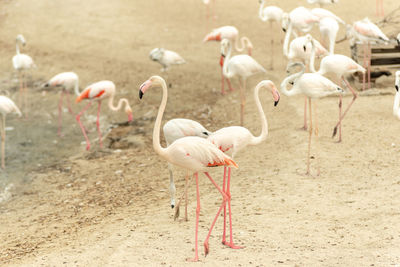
(111, 206)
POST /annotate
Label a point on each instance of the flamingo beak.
(276, 96)
(304, 48)
(146, 85)
(397, 87)
(283, 29)
(130, 116)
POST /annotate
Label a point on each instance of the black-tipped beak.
(283, 29)
(397, 87)
(276, 103)
(304, 48)
(140, 94)
(222, 55)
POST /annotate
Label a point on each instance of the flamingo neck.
(225, 71)
(312, 58)
(287, 38)
(264, 124)
(157, 125)
(288, 79)
(17, 48)
(396, 109)
(243, 40)
(260, 12)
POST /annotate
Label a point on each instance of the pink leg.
(60, 113)
(229, 84)
(20, 90)
(309, 139)
(348, 107)
(305, 114)
(224, 226)
(196, 254)
(98, 124)
(224, 196)
(377, 8)
(383, 12)
(242, 99)
(69, 104)
(228, 193)
(78, 118)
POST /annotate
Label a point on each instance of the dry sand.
(110, 207)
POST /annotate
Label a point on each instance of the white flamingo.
(242, 66)
(22, 63)
(69, 82)
(175, 129)
(166, 58)
(192, 153)
(7, 106)
(341, 66)
(312, 85)
(270, 14)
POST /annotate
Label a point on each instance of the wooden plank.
(385, 61)
(386, 50)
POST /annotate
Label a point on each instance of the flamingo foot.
(232, 245)
(206, 248)
(223, 92)
(193, 259)
(304, 128)
(88, 147)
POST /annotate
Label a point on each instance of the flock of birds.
(196, 149)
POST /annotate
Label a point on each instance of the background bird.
(166, 58)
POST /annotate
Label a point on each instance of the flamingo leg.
(3, 141)
(228, 193)
(316, 137)
(78, 118)
(225, 198)
(20, 88)
(185, 194)
(305, 114)
(229, 84)
(242, 100)
(25, 92)
(309, 139)
(172, 188)
(224, 225)
(98, 124)
(196, 254)
(69, 103)
(60, 113)
(348, 107)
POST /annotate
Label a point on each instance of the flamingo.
(366, 32)
(193, 153)
(324, 13)
(175, 129)
(322, 2)
(270, 14)
(99, 91)
(396, 104)
(69, 82)
(329, 28)
(21, 63)
(166, 58)
(233, 139)
(6, 106)
(242, 66)
(341, 66)
(298, 52)
(312, 85)
(232, 34)
(300, 19)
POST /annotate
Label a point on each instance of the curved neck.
(312, 58)
(157, 125)
(260, 12)
(288, 79)
(286, 41)
(76, 87)
(120, 102)
(264, 124)
(242, 40)
(17, 47)
(226, 61)
(396, 104)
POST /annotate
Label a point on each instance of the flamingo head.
(21, 39)
(285, 21)
(212, 37)
(156, 54)
(309, 39)
(153, 80)
(397, 83)
(128, 111)
(249, 49)
(275, 93)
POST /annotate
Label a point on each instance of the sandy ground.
(110, 207)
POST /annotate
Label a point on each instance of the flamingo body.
(243, 66)
(166, 57)
(270, 13)
(324, 13)
(22, 62)
(69, 81)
